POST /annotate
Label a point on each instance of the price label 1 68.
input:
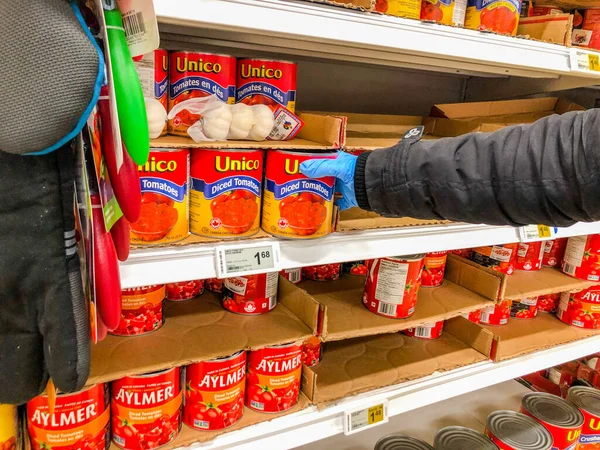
(247, 259)
(365, 417)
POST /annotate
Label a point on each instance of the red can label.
(564, 438)
(214, 392)
(498, 257)
(324, 272)
(193, 74)
(526, 308)
(582, 257)
(273, 380)
(496, 314)
(529, 255)
(141, 311)
(251, 294)
(292, 275)
(590, 432)
(580, 309)
(432, 330)
(473, 316)
(146, 410)
(226, 190)
(554, 251)
(184, 290)
(214, 285)
(79, 421)
(392, 286)
(548, 303)
(311, 351)
(265, 82)
(433, 269)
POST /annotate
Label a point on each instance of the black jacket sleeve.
(543, 173)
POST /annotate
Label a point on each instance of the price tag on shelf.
(584, 61)
(247, 259)
(363, 418)
(531, 233)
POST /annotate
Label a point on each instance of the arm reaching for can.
(547, 172)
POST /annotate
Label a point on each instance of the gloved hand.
(342, 168)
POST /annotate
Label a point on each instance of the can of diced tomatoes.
(225, 192)
(193, 75)
(410, 9)
(530, 255)
(431, 330)
(587, 400)
(153, 72)
(580, 308)
(525, 308)
(141, 310)
(400, 442)
(292, 275)
(448, 12)
(392, 286)
(496, 314)
(434, 267)
(473, 316)
(311, 351)
(499, 16)
(561, 418)
(165, 211)
(266, 82)
(250, 295)
(214, 285)
(355, 267)
(462, 438)
(554, 251)
(510, 430)
(8, 427)
(295, 206)
(80, 420)
(273, 379)
(146, 409)
(214, 392)
(324, 272)
(548, 303)
(582, 257)
(184, 290)
(498, 257)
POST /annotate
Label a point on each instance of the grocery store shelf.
(311, 425)
(197, 261)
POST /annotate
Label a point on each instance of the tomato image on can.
(448, 12)
(141, 311)
(548, 303)
(250, 294)
(273, 379)
(165, 211)
(311, 351)
(354, 267)
(292, 275)
(295, 206)
(153, 73)
(525, 308)
(529, 255)
(496, 314)
(433, 269)
(195, 75)
(214, 285)
(498, 257)
(214, 392)
(510, 430)
(410, 9)
(80, 420)
(554, 251)
(184, 290)
(582, 257)
(225, 193)
(8, 427)
(392, 286)
(581, 308)
(473, 316)
(324, 272)
(146, 409)
(499, 16)
(266, 82)
(431, 330)
(587, 400)
(453, 438)
(561, 418)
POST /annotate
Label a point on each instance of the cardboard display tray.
(356, 219)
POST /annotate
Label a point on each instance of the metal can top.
(399, 442)
(552, 409)
(415, 257)
(519, 431)
(585, 398)
(462, 438)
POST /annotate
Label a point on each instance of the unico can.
(399, 442)
(448, 12)
(266, 82)
(392, 286)
(499, 16)
(558, 416)
(580, 308)
(8, 427)
(587, 400)
(80, 420)
(194, 74)
(295, 206)
(461, 438)
(142, 310)
(251, 294)
(146, 409)
(165, 211)
(582, 257)
(153, 72)
(273, 379)
(214, 392)
(225, 195)
(510, 430)
(431, 330)
(400, 8)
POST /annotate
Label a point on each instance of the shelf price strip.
(247, 259)
(582, 61)
(363, 418)
(532, 233)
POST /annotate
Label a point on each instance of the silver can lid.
(462, 438)
(552, 409)
(399, 442)
(585, 398)
(519, 431)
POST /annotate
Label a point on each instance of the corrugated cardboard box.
(554, 28)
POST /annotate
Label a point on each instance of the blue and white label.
(160, 88)
(266, 89)
(589, 439)
(164, 187)
(201, 84)
(296, 186)
(212, 190)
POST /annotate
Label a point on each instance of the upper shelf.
(304, 28)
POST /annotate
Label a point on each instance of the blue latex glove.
(342, 168)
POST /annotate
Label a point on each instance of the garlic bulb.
(157, 116)
(242, 122)
(263, 122)
(216, 122)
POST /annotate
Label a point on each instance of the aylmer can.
(141, 311)
(225, 192)
(214, 392)
(251, 294)
(273, 379)
(582, 257)
(510, 430)
(431, 330)
(153, 73)
(399, 442)
(295, 206)
(80, 420)
(266, 82)
(498, 257)
(8, 427)
(563, 420)
(392, 286)
(146, 409)
(184, 290)
(165, 211)
(461, 438)
(587, 400)
(193, 75)
(580, 308)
